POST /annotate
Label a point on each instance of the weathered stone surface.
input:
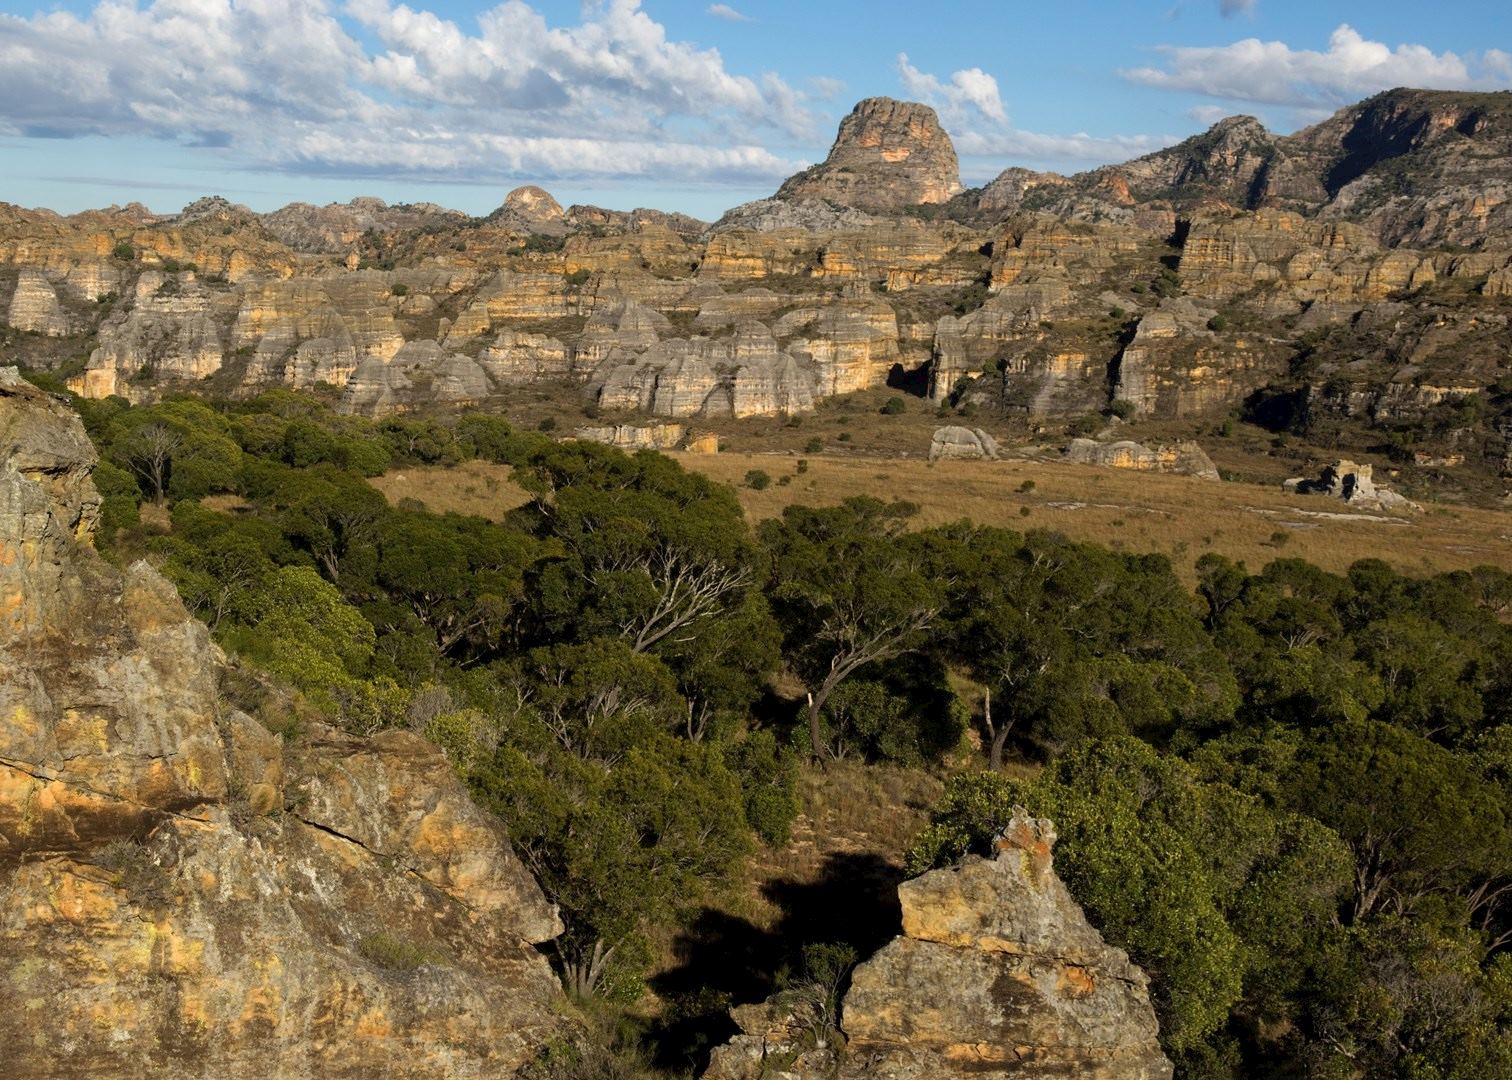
(183, 892)
(997, 973)
(1355, 484)
(954, 442)
(888, 155)
(1186, 458)
(34, 306)
(636, 437)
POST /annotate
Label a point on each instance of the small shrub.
(578, 278)
(395, 953)
(814, 446)
(758, 480)
(399, 290)
(1026, 487)
(1217, 324)
(894, 406)
(548, 424)
(802, 466)
(1122, 408)
(844, 436)
(1023, 511)
(784, 480)
(1280, 538)
(123, 251)
(1085, 425)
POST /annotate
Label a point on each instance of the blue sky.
(676, 105)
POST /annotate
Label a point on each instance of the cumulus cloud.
(288, 84)
(1273, 73)
(725, 11)
(972, 110)
(967, 90)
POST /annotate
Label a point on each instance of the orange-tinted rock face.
(996, 973)
(184, 893)
(887, 155)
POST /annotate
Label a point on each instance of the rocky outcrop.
(1353, 483)
(532, 209)
(183, 891)
(34, 306)
(888, 155)
(962, 443)
(997, 973)
(1187, 458)
(633, 437)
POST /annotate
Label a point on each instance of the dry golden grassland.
(473, 487)
(1129, 511)
(1180, 516)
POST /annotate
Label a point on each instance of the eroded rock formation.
(1353, 483)
(888, 155)
(184, 892)
(997, 973)
(1359, 269)
(1186, 458)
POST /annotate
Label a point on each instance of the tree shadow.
(725, 960)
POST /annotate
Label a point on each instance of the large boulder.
(997, 973)
(1353, 483)
(955, 442)
(184, 892)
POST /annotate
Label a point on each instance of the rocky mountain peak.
(887, 155)
(532, 203)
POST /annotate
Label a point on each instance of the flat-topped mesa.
(888, 155)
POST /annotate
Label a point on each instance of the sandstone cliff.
(1357, 272)
(183, 892)
(997, 973)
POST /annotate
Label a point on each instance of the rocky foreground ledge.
(997, 973)
(184, 893)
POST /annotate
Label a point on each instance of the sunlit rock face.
(996, 973)
(183, 892)
(888, 155)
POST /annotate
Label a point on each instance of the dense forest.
(1286, 794)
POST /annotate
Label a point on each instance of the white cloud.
(725, 11)
(1272, 72)
(968, 89)
(824, 88)
(1069, 151)
(1208, 114)
(287, 84)
(972, 110)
